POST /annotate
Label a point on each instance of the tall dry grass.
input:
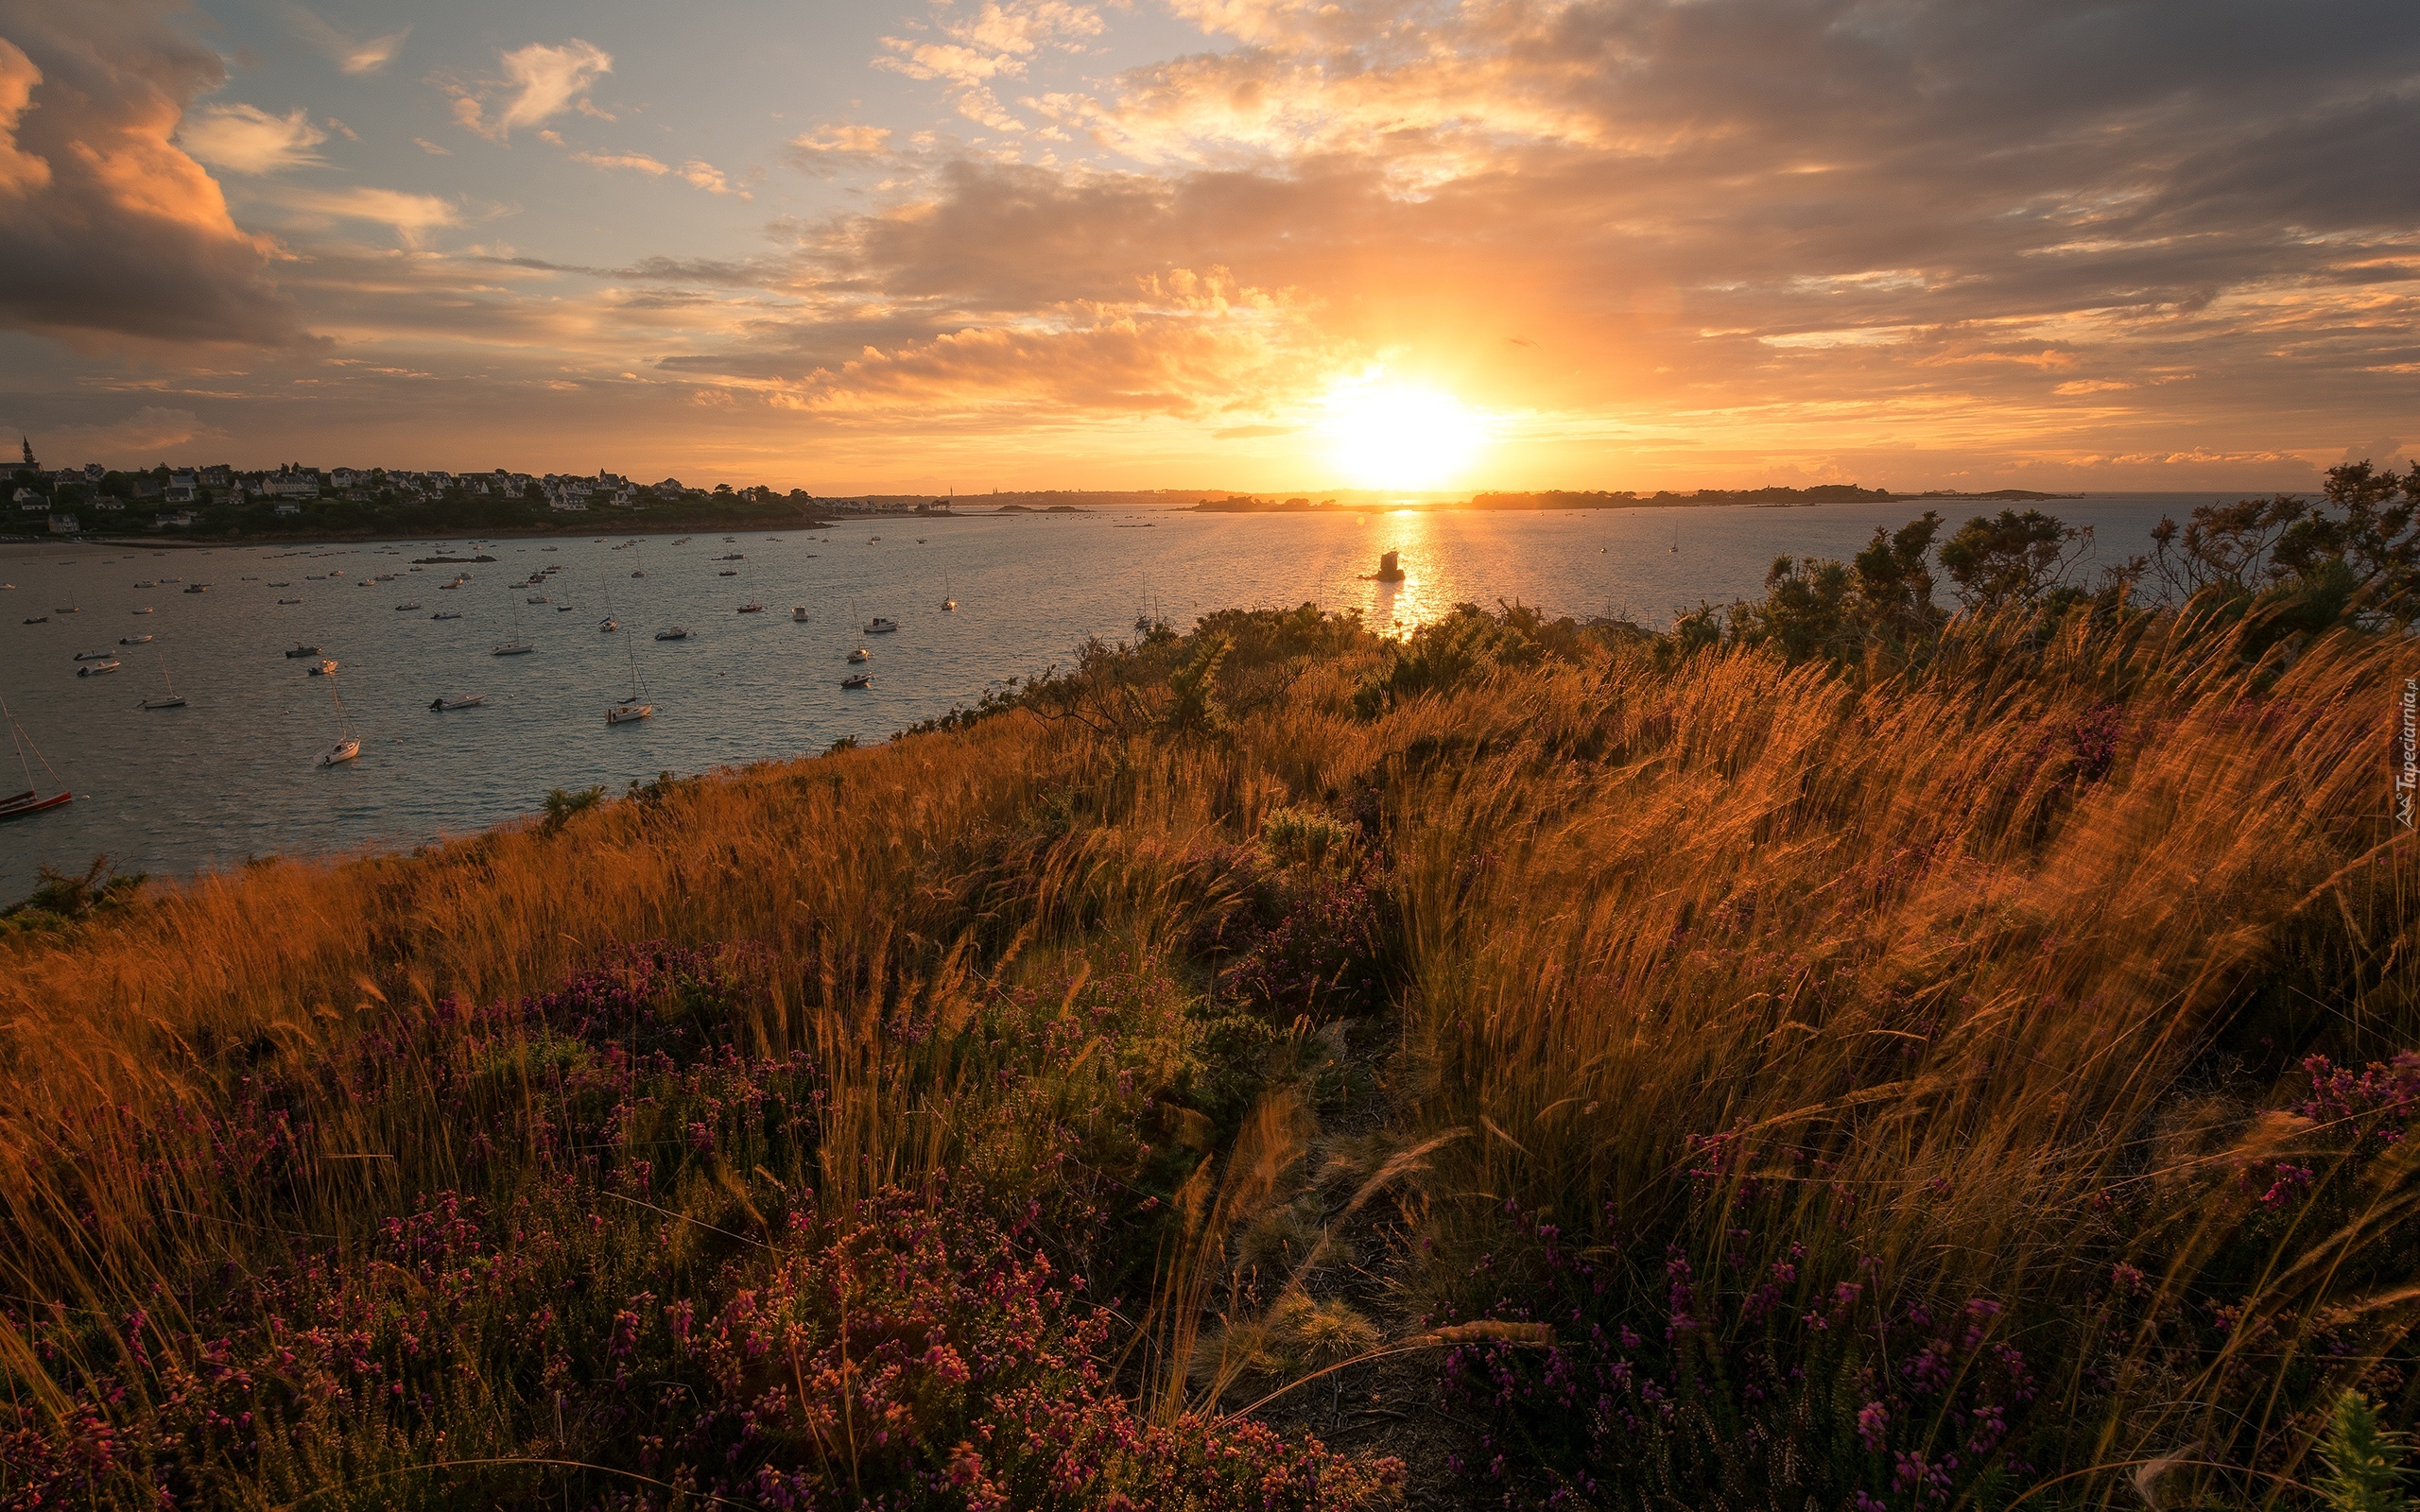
(1976, 980)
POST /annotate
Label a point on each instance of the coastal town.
(220, 500)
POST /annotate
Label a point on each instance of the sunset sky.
(1251, 244)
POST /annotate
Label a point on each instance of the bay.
(231, 775)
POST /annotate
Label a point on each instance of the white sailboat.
(172, 698)
(31, 800)
(635, 708)
(348, 745)
(516, 646)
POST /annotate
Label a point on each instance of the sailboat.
(949, 600)
(516, 646)
(1676, 538)
(348, 745)
(635, 707)
(172, 698)
(17, 805)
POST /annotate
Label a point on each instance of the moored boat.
(878, 625)
(457, 700)
(857, 680)
(674, 632)
(94, 669)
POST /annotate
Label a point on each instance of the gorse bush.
(1832, 1053)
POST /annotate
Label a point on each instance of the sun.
(1386, 433)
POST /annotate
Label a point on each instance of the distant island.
(1770, 496)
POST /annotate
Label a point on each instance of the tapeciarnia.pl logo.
(2406, 778)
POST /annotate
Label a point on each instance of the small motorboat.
(290, 601)
(878, 625)
(563, 608)
(134, 639)
(145, 585)
(145, 609)
(408, 604)
(675, 634)
(447, 614)
(609, 625)
(280, 585)
(857, 680)
(37, 619)
(300, 651)
(728, 571)
(733, 556)
(326, 667)
(94, 669)
(457, 700)
(96, 655)
(861, 654)
(640, 574)
(539, 598)
(197, 588)
(751, 607)
(798, 614)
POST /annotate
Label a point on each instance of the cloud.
(709, 177)
(352, 54)
(542, 80)
(20, 172)
(246, 139)
(119, 231)
(638, 161)
(432, 148)
(411, 215)
(139, 438)
(995, 42)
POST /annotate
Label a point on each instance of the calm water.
(231, 774)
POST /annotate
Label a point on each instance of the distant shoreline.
(1548, 500)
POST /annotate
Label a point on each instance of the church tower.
(29, 448)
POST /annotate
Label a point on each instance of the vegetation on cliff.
(1831, 1054)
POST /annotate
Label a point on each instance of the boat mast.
(18, 738)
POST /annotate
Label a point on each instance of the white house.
(28, 501)
(288, 483)
(286, 507)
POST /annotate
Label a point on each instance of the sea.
(233, 775)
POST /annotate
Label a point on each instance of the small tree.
(2375, 531)
(2231, 546)
(2011, 559)
(1895, 582)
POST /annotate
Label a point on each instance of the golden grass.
(1900, 922)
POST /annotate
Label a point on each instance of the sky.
(1239, 244)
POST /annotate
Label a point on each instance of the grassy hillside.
(1270, 1067)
